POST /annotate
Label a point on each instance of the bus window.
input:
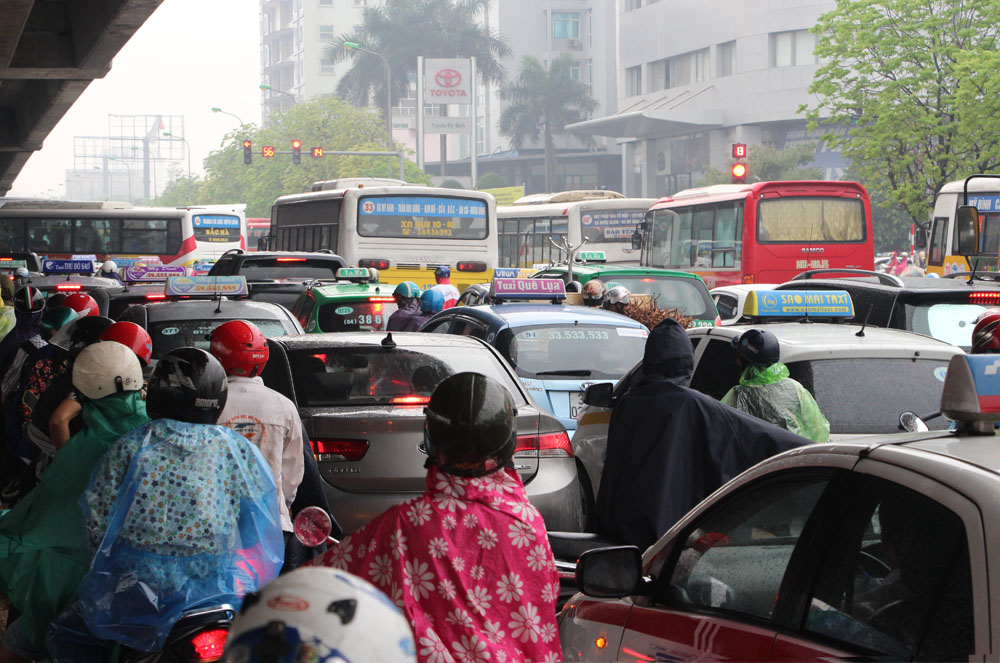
(321, 216)
(95, 235)
(935, 254)
(151, 236)
(49, 235)
(989, 233)
(726, 236)
(810, 220)
(12, 235)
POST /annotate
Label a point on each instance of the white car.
(729, 299)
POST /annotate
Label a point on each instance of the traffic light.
(739, 150)
(247, 154)
(296, 151)
(739, 171)
(317, 152)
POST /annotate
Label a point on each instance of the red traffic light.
(739, 171)
(317, 152)
(296, 144)
(267, 151)
(247, 144)
(739, 151)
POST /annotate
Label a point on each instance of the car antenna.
(972, 274)
(387, 342)
(861, 332)
(218, 308)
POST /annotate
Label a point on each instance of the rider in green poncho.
(767, 392)
(42, 552)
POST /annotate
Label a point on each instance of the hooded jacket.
(769, 393)
(25, 327)
(406, 318)
(670, 446)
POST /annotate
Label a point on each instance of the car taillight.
(69, 286)
(339, 450)
(749, 278)
(985, 298)
(156, 296)
(411, 400)
(381, 299)
(290, 259)
(209, 645)
(377, 263)
(471, 266)
(547, 445)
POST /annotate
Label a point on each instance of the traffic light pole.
(400, 154)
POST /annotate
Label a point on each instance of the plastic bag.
(770, 394)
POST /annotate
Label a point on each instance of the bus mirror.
(920, 238)
(262, 243)
(637, 237)
(968, 230)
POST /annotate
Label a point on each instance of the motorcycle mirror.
(911, 423)
(313, 526)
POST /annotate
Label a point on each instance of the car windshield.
(950, 322)
(688, 296)
(890, 387)
(365, 375)
(264, 269)
(172, 334)
(568, 351)
(355, 316)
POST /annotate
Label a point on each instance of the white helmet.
(618, 295)
(105, 368)
(319, 614)
(109, 267)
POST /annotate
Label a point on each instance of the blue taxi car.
(557, 350)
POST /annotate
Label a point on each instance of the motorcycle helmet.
(55, 319)
(106, 368)
(29, 299)
(109, 269)
(319, 614)
(55, 300)
(373, 275)
(469, 430)
(442, 272)
(21, 276)
(81, 332)
(240, 347)
(593, 292)
(188, 384)
(986, 333)
(618, 295)
(431, 301)
(758, 347)
(82, 303)
(131, 336)
(574, 286)
(407, 290)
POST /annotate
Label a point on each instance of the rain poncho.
(42, 553)
(406, 317)
(179, 515)
(25, 326)
(470, 565)
(769, 394)
(670, 446)
(7, 320)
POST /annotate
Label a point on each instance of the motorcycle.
(199, 636)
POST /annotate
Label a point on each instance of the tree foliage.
(326, 122)
(490, 180)
(766, 163)
(541, 103)
(910, 88)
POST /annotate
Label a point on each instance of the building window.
(574, 72)
(632, 4)
(326, 33)
(688, 68)
(327, 3)
(633, 81)
(359, 3)
(659, 75)
(796, 47)
(727, 59)
(565, 25)
(326, 65)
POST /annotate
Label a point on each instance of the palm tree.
(402, 30)
(541, 104)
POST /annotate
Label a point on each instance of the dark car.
(278, 276)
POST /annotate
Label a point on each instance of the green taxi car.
(669, 288)
(356, 302)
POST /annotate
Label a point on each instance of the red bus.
(766, 232)
(257, 228)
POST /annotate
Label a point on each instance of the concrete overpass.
(50, 51)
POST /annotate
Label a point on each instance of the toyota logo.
(448, 77)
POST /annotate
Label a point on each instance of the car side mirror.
(967, 221)
(262, 242)
(920, 238)
(600, 395)
(609, 573)
(636, 239)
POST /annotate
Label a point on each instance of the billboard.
(447, 80)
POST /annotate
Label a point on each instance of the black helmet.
(758, 347)
(188, 384)
(29, 299)
(80, 333)
(470, 429)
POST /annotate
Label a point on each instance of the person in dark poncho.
(670, 446)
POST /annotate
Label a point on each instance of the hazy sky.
(189, 56)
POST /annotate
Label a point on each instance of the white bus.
(118, 231)
(607, 218)
(404, 231)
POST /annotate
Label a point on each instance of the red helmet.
(131, 336)
(240, 347)
(82, 303)
(986, 335)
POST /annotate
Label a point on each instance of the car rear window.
(890, 386)
(366, 375)
(689, 296)
(289, 268)
(173, 334)
(557, 352)
(951, 322)
(355, 316)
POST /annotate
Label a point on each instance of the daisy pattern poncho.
(469, 563)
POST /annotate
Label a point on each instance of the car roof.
(374, 338)
(335, 291)
(910, 284)
(188, 309)
(593, 269)
(520, 314)
(742, 288)
(88, 282)
(261, 255)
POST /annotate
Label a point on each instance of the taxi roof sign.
(152, 273)
(551, 289)
(971, 393)
(68, 267)
(354, 273)
(215, 286)
(514, 272)
(592, 256)
(9, 263)
(798, 304)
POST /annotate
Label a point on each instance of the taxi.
(70, 276)
(670, 289)
(141, 284)
(357, 302)
(730, 299)
(557, 350)
(870, 549)
(862, 377)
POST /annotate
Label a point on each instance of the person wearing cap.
(767, 392)
(109, 270)
(405, 317)
(442, 274)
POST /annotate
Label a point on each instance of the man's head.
(405, 293)
(593, 292)
(106, 368)
(240, 347)
(188, 384)
(442, 274)
(431, 301)
(757, 347)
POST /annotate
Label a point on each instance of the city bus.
(943, 257)
(403, 231)
(606, 219)
(256, 229)
(766, 232)
(120, 232)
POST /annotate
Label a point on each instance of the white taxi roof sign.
(972, 389)
(549, 289)
(152, 273)
(13, 264)
(798, 304)
(592, 256)
(232, 286)
(354, 274)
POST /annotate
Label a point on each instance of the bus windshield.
(706, 236)
(810, 220)
(436, 217)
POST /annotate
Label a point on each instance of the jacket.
(405, 318)
(770, 394)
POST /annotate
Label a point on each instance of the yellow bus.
(981, 192)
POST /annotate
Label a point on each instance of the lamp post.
(187, 147)
(268, 88)
(388, 87)
(216, 109)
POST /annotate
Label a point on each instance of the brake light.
(377, 263)
(381, 299)
(749, 278)
(69, 286)
(339, 450)
(321, 356)
(209, 645)
(156, 296)
(471, 266)
(547, 445)
(648, 280)
(985, 298)
(290, 259)
(411, 400)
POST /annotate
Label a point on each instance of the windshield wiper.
(573, 372)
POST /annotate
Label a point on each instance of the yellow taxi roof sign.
(798, 304)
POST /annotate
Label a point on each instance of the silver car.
(362, 396)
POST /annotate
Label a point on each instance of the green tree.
(906, 86)
(766, 163)
(490, 180)
(181, 191)
(541, 103)
(402, 30)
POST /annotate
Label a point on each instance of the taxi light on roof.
(354, 273)
(971, 394)
(290, 259)
(411, 400)
(214, 286)
(381, 298)
(553, 290)
(798, 304)
(377, 263)
(471, 266)
(69, 286)
(592, 256)
(985, 298)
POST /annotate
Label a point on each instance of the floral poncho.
(470, 565)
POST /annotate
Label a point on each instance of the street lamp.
(187, 145)
(262, 86)
(216, 109)
(388, 85)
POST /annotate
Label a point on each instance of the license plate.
(575, 403)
